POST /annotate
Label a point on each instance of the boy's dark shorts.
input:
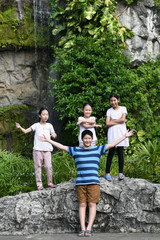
(88, 193)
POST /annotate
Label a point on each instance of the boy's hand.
(43, 138)
(129, 133)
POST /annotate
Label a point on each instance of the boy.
(87, 182)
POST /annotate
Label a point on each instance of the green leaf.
(89, 12)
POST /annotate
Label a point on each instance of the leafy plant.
(16, 174)
(87, 18)
(149, 155)
(157, 3)
(18, 142)
(63, 167)
(88, 72)
(145, 162)
(15, 24)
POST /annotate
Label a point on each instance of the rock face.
(24, 73)
(132, 205)
(23, 77)
(143, 19)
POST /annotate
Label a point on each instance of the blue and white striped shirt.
(87, 163)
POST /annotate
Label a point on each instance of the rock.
(132, 205)
(143, 19)
(23, 78)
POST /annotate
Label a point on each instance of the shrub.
(16, 174)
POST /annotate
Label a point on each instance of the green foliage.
(13, 32)
(149, 155)
(15, 24)
(131, 1)
(157, 3)
(88, 69)
(145, 162)
(10, 137)
(87, 18)
(18, 34)
(16, 174)
(142, 97)
(88, 72)
(63, 167)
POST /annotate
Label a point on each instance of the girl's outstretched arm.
(23, 129)
(113, 144)
(55, 144)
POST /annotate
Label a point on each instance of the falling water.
(41, 23)
(20, 10)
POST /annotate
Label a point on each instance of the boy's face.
(87, 141)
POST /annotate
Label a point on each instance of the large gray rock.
(23, 78)
(132, 205)
(143, 19)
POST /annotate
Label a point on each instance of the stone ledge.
(132, 205)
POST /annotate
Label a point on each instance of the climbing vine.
(87, 18)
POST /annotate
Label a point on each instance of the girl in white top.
(87, 122)
(42, 151)
(115, 121)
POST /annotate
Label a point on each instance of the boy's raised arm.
(55, 144)
(113, 144)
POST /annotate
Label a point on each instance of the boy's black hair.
(86, 132)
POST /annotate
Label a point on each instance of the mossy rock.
(11, 138)
(16, 33)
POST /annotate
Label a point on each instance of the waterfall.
(20, 10)
(41, 23)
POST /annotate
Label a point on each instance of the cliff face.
(144, 21)
(132, 205)
(25, 39)
(25, 54)
(25, 57)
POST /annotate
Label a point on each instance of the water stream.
(41, 23)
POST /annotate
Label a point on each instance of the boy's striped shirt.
(87, 163)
